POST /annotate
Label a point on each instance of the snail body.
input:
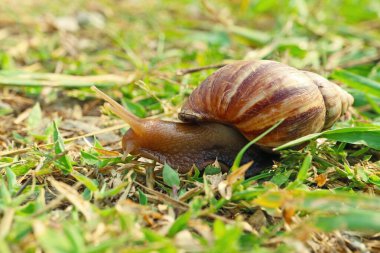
(232, 106)
(183, 145)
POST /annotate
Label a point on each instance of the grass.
(64, 186)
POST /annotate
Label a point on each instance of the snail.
(233, 105)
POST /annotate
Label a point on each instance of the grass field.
(64, 186)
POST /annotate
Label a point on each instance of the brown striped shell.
(254, 95)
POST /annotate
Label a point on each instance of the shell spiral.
(253, 95)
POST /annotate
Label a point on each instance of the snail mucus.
(233, 105)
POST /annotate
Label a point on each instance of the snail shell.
(253, 95)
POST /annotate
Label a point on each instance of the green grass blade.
(373, 103)
(179, 224)
(29, 79)
(88, 182)
(143, 199)
(302, 174)
(369, 136)
(63, 162)
(170, 176)
(358, 82)
(239, 156)
(356, 220)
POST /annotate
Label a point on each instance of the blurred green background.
(141, 53)
(86, 37)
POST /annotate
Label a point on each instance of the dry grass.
(64, 186)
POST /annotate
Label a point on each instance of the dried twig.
(182, 72)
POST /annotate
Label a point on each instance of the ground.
(64, 185)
